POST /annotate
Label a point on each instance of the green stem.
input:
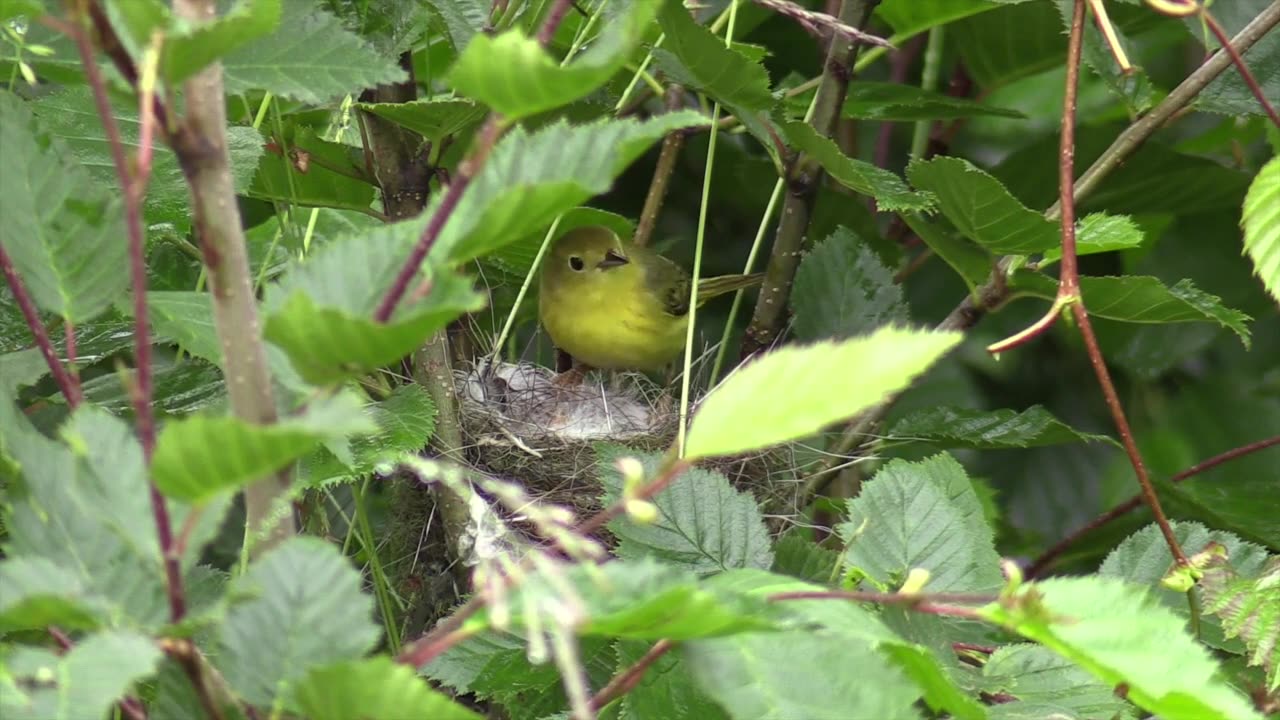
(380, 586)
(928, 81)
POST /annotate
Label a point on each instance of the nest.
(518, 424)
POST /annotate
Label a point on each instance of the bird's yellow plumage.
(614, 305)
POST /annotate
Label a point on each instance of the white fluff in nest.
(524, 399)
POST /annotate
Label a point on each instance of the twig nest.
(519, 424)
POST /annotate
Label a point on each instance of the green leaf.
(178, 387)
(891, 102)
(921, 515)
(517, 258)
(1228, 93)
(808, 387)
(462, 19)
(512, 74)
(703, 523)
(405, 421)
(63, 233)
(310, 58)
(989, 429)
(1261, 222)
(321, 311)
(909, 17)
(191, 49)
(332, 179)
(531, 177)
(303, 609)
(39, 593)
(789, 675)
(802, 558)
(981, 208)
(433, 118)
(22, 369)
(14, 8)
(1045, 684)
(1249, 608)
(373, 689)
(84, 683)
(186, 317)
(199, 457)
(922, 666)
(1120, 634)
(889, 191)
(666, 689)
(1141, 299)
(970, 261)
(1099, 233)
(842, 290)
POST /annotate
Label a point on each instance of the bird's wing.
(670, 284)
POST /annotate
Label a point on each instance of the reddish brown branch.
(67, 383)
(1049, 556)
(625, 681)
(549, 26)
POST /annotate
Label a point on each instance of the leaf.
(801, 558)
(63, 233)
(463, 19)
(1141, 299)
(22, 369)
(808, 387)
(39, 593)
(981, 208)
(666, 689)
(405, 422)
(921, 665)
(192, 48)
(921, 515)
(331, 180)
(789, 675)
(373, 689)
(909, 17)
(15, 8)
(187, 318)
(531, 177)
(321, 311)
(889, 191)
(433, 118)
(703, 523)
(1228, 93)
(310, 58)
(1099, 233)
(891, 102)
(513, 75)
(843, 290)
(303, 609)
(970, 261)
(1044, 684)
(1249, 608)
(84, 683)
(1261, 223)
(989, 429)
(1119, 634)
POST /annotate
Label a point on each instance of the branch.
(1241, 66)
(671, 145)
(1046, 559)
(67, 383)
(822, 25)
(625, 681)
(803, 184)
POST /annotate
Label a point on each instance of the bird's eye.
(576, 263)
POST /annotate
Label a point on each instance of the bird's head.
(586, 252)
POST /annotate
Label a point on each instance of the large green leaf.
(432, 118)
(889, 191)
(374, 689)
(515, 76)
(988, 429)
(321, 312)
(1249, 608)
(981, 208)
(39, 593)
(703, 523)
(1261, 221)
(1141, 299)
(1044, 684)
(1121, 635)
(892, 102)
(63, 232)
(199, 457)
(310, 57)
(331, 180)
(808, 387)
(842, 289)
(302, 608)
(921, 515)
(405, 422)
(84, 683)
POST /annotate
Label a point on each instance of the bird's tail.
(713, 286)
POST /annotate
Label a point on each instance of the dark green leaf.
(800, 557)
(909, 17)
(432, 118)
(891, 102)
(981, 208)
(405, 421)
(374, 689)
(665, 691)
(331, 179)
(843, 290)
(1228, 93)
(989, 429)
(889, 191)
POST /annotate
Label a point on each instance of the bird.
(615, 305)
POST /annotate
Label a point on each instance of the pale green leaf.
(808, 387)
(84, 683)
(374, 689)
(1261, 222)
(1099, 233)
(889, 191)
(405, 420)
(665, 691)
(1044, 684)
(38, 593)
(703, 523)
(432, 118)
(842, 289)
(983, 209)
(1120, 634)
(191, 49)
(989, 429)
(303, 608)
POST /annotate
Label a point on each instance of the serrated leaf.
(332, 179)
(989, 429)
(981, 208)
(921, 515)
(808, 387)
(1249, 608)
(802, 558)
(303, 609)
(199, 457)
(665, 691)
(39, 593)
(1120, 634)
(186, 317)
(515, 76)
(842, 290)
(703, 523)
(1142, 299)
(310, 58)
(922, 666)
(462, 19)
(321, 311)
(1099, 233)
(907, 103)
(1261, 223)
(1228, 93)
(22, 368)
(189, 50)
(373, 689)
(84, 683)
(63, 233)
(1044, 684)
(405, 421)
(432, 118)
(889, 191)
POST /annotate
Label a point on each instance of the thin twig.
(1241, 66)
(1049, 556)
(66, 382)
(662, 173)
(625, 681)
(822, 25)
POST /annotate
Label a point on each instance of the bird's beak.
(612, 258)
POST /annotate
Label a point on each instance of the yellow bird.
(615, 305)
